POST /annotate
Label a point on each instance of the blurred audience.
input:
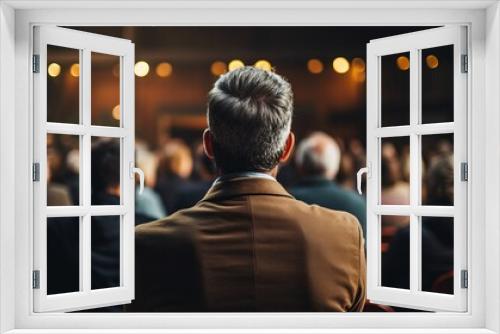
(318, 161)
(195, 190)
(395, 189)
(175, 168)
(149, 203)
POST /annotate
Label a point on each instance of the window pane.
(63, 170)
(395, 251)
(395, 171)
(437, 175)
(437, 254)
(105, 170)
(395, 89)
(63, 85)
(437, 84)
(63, 255)
(105, 89)
(105, 236)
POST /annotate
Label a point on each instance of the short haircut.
(249, 116)
(318, 155)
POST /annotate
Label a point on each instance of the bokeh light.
(75, 70)
(432, 61)
(234, 64)
(141, 68)
(403, 63)
(358, 64)
(54, 69)
(341, 65)
(218, 68)
(164, 70)
(263, 65)
(315, 66)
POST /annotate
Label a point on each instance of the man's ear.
(289, 145)
(208, 146)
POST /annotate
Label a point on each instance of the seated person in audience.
(194, 191)
(248, 245)
(437, 235)
(148, 204)
(174, 169)
(318, 160)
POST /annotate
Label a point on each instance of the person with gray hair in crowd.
(318, 161)
(248, 245)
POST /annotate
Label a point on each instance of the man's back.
(326, 193)
(249, 246)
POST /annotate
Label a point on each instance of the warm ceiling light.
(403, 63)
(358, 65)
(340, 65)
(315, 66)
(164, 70)
(75, 70)
(432, 61)
(141, 68)
(218, 68)
(54, 69)
(116, 70)
(263, 65)
(234, 64)
(116, 112)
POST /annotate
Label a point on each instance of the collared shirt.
(234, 176)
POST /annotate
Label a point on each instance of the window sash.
(414, 42)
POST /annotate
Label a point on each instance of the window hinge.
(36, 279)
(36, 63)
(464, 171)
(464, 279)
(36, 172)
(465, 64)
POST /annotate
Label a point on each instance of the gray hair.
(318, 155)
(249, 116)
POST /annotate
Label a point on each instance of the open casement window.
(72, 270)
(417, 102)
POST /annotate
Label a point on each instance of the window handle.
(135, 170)
(361, 171)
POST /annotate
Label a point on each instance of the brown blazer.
(248, 245)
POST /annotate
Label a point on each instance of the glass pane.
(437, 174)
(105, 239)
(63, 170)
(63, 255)
(395, 251)
(63, 85)
(105, 171)
(395, 171)
(437, 254)
(395, 89)
(437, 84)
(105, 89)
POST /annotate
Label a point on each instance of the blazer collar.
(245, 186)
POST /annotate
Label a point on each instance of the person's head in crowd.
(249, 121)
(205, 167)
(73, 161)
(439, 181)
(175, 160)
(105, 166)
(146, 160)
(318, 155)
(391, 165)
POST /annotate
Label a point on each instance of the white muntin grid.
(413, 44)
(86, 44)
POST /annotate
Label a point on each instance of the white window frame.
(413, 43)
(85, 44)
(16, 21)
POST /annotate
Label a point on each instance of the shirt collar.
(241, 175)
